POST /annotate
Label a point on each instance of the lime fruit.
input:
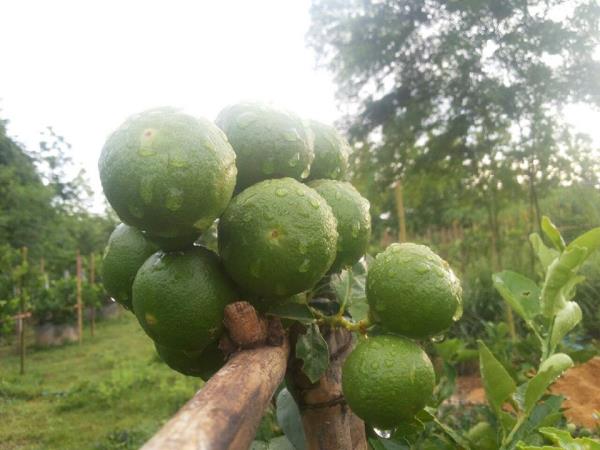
(269, 143)
(412, 291)
(351, 211)
(168, 173)
(331, 152)
(387, 380)
(126, 251)
(277, 238)
(203, 364)
(179, 298)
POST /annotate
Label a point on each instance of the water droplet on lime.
(294, 160)
(302, 248)
(437, 339)
(146, 189)
(246, 119)
(314, 203)
(338, 195)
(174, 199)
(281, 192)
(146, 151)
(304, 266)
(355, 229)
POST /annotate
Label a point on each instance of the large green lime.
(387, 380)
(179, 298)
(168, 173)
(125, 253)
(269, 142)
(412, 291)
(331, 153)
(351, 211)
(203, 364)
(277, 238)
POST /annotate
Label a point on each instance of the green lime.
(126, 251)
(331, 153)
(387, 380)
(203, 364)
(351, 211)
(412, 291)
(168, 173)
(268, 142)
(179, 298)
(277, 238)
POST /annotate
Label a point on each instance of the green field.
(111, 392)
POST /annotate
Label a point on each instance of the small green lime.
(351, 211)
(412, 291)
(331, 153)
(126, 251)
(203, 364)
(179, 298)
(387, 380)
(268, 142)
(168, 173)
(277, 238)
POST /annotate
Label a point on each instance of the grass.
(111, 392)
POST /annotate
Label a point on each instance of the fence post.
(92, 282)
(22, 311)
(79, 306)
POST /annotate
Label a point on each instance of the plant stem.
(340, 321)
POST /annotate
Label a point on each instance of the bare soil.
(580, 386)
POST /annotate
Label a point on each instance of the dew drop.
(202, 224)
(458, 312)
(146, 151)
(294, 160)
(355, 229)
(314, 203)
(304, 266)
(300, 192)
(338, 195)
(177, 162)
(437, 339)
(245, 119)
(305, 173)
(422, 268)
(281, 192)
(302, 248)
(291, 135)
(174, 199)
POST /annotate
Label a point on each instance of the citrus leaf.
(561, 279)
(521, 293)
(312, 349)
(288, 418)
(548, 409)
(280, 443)
(294, 311)
(549, 371)
(545, 254)
(564, 439)
(590, 241)
(552, 233)
(497, 383)
(457, 438)
(566, 319)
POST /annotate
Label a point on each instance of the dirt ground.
(580, 386)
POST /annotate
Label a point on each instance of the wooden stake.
(92, 282)
(22, 312)
(79, 305)
(399, 196)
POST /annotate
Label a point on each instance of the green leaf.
(552, 233)
(312, 349)
(521, 293)
(295, 311)
(386, 444)
(561, 278)
(545, 254)
(590, 241)
(457, 438)
(543, 411)
(497, 382)
(288, 418)
(564, 439)
(549, 371)
(566, 319)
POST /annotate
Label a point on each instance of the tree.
(472, 89)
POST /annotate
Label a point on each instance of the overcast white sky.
(83, 66)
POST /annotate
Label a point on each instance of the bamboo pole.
(92, 283)
(22, 312)
(79, 305)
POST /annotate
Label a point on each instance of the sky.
(82, 67)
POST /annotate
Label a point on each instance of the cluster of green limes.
(412, 294)
(274, 183)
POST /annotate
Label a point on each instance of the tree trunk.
(328, 422)
(399, 196)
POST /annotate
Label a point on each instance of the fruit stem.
(340, 321)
